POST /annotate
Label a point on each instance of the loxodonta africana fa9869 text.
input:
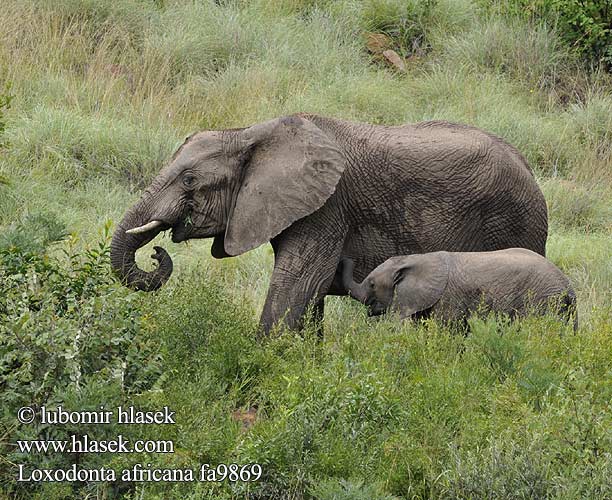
(321, 189)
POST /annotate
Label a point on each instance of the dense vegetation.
(94, 97)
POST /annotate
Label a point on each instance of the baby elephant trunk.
(354, 289)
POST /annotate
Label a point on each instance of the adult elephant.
(321, 189)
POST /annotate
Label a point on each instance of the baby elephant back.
(515, 281)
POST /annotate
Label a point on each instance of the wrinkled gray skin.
(321, 189)
(451, 285)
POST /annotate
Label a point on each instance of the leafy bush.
(585, 25)
(66, 330)
(61, 324)
(348, 490)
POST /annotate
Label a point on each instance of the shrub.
(348, 490)
(73, 320)
(585, 25)
(66, 331)
(508, 471)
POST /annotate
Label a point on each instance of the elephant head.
(242, 187)
(409, 284)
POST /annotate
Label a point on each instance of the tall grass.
(105, 91)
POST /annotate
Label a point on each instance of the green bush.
(69, 334)
(348, 490)
(50, 309)
(585, 25)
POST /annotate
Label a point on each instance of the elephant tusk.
(147, 227)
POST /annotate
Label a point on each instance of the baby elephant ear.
(420, 281)
(293, 168)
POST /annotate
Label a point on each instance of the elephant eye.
(189, 181)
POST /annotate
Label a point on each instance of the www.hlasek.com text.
(85, 444)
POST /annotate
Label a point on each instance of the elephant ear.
(293, 168)
(420, 281)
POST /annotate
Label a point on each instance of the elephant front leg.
(289, 298)
(303, 272)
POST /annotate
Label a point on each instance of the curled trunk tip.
(123, 255)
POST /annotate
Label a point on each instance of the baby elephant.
(451, 285)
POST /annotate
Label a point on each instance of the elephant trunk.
(354, 289)
(123, 252)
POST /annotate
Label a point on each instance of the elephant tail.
(568, 309)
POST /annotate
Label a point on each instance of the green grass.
(95, 97)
